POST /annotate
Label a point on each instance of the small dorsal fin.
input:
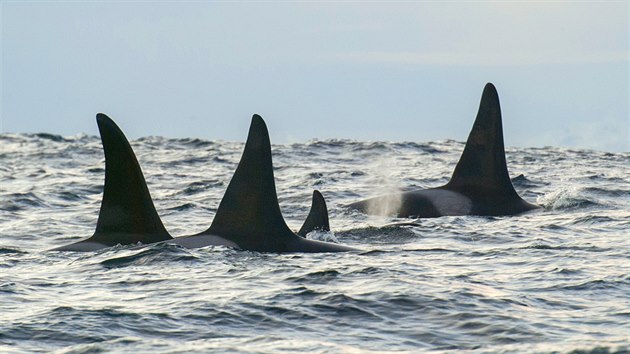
(249, 213)
(317, 218)
(127, 214)
(482, 167)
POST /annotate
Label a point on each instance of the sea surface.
(555, 280)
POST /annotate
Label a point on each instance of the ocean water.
(555, 280)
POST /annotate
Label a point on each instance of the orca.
(249, 216)
(480, 184)
(317, 219)
(127, 215)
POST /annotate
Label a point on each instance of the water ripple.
(549, 281)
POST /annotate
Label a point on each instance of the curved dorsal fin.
(317, 218)
(482, 167)
(127, 212)
(249, 213)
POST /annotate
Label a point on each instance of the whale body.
(127, 214)
(248, 216)
(480, 184)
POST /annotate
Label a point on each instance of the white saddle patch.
(448, 202)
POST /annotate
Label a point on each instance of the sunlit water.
(552, 280)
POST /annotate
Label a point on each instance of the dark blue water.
(556, 280)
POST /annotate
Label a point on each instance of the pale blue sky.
(410, 71)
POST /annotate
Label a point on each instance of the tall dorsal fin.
(127, 214)
(482, 167)
(249, 214)
(317, 218)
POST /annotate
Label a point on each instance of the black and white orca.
(480, 184)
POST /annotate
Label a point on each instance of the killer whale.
(127, 214)
(249, 216)
(480, 184)
(317, 219)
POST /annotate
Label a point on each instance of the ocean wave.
(51, 137)
(8, 250)
(378, 235)
(201, 186)
(549, 281)
(21, 201)
(568, 198)
(150, 255)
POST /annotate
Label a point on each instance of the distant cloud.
(487, 58)
(602, 133)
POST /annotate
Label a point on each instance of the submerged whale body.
(480, 184)
(248, 217)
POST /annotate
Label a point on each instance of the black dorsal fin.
(249, 214)
(482, 167)
(317, 218)
(127, 214)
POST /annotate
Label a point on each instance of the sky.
(395, 71)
